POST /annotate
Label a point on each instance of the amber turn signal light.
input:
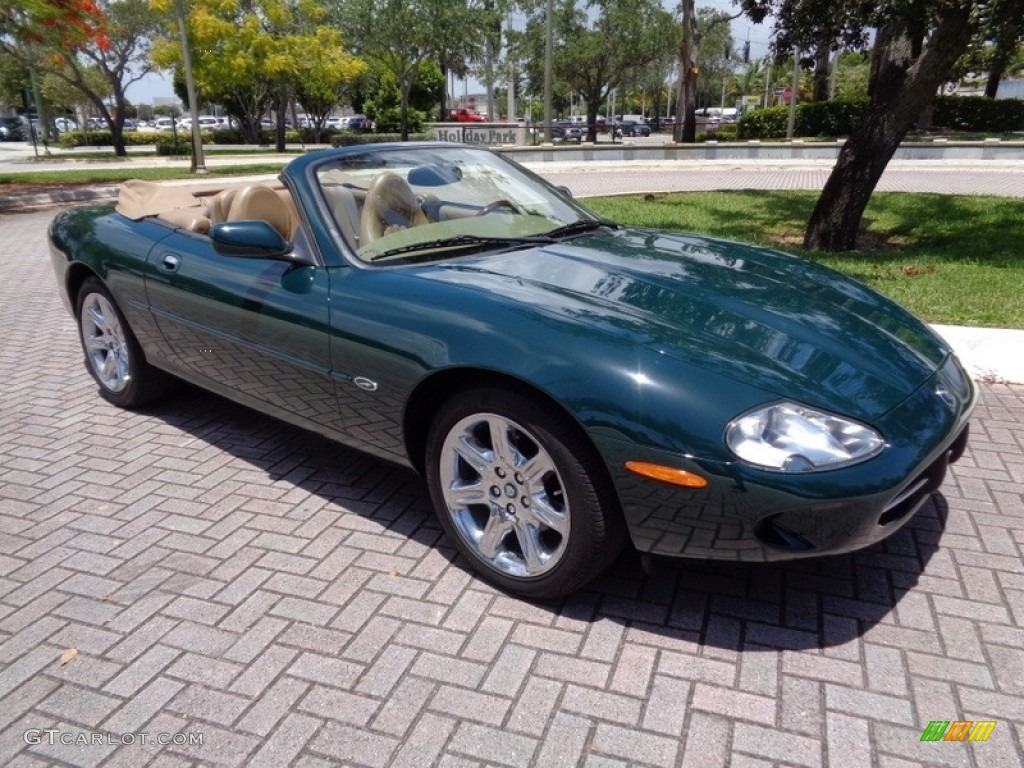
(667, 474)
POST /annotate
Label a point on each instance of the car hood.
(768, 319)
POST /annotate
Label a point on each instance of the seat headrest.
(390, 205)
(262, 203)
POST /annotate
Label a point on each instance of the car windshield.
(415, 204)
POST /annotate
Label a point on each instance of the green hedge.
(72, 139)
(168, 146)
(839, 117)
(235, 136)
(763, 123)
(349, 139)
(976, 113)
(815, 118)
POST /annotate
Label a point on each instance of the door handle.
(170, 262)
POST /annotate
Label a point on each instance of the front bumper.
(752, 515)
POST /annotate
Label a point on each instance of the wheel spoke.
(98, 320)
(108, 368)
(476, 457)
(534, 557)
(505, 451)
(543, 515)
(95, 344)
(536, 469)
(462, 496)
(493, 534)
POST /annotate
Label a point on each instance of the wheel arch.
(429, 394)
(77, 273)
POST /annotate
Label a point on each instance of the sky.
(158, 85)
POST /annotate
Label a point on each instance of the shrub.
(837, 117)
(977, 113)
(724, 132)
(763, 123)
(348, 139)
(168, 146)
(72, 139)
(235, 136)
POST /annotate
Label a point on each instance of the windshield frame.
(456, 180)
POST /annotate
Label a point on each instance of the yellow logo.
(958, 730)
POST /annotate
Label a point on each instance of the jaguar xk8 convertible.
(566, 385)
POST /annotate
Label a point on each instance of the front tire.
(112, 354)
(521, 491)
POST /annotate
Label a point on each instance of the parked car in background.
(630, 128)
(463, 115)
(358, 123)
(13, 129)
(566, 130)
(63, 124)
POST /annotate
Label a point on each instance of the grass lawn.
(956, 260)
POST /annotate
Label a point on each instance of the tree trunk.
(280, 105)
(822, 59)
(685, 129)
(404, 88)
(900, 91)
(442, 115)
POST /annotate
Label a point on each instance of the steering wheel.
(498, 204)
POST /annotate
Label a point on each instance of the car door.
(254, 329)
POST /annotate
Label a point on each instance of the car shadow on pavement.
(796, 605)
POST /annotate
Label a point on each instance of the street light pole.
(198, 163)
(791, 123)
(548, 62)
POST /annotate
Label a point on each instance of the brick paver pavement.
(243, 593)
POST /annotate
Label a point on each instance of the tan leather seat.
(345, 211)
(390, 205)
(288, 201)
(187, 218)
(262, 203)
(220, 204)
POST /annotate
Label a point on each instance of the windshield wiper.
(461, 241)
(580, 227)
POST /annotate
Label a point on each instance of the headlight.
(788, 437)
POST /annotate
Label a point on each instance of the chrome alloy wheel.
(106, 345)
(505, 495)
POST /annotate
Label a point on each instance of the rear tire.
(521, 491)
(113, 356)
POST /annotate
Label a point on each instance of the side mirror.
(564, 190)
(253, 238)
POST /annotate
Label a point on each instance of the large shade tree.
(598, 47)
(250, 55)
(406, 38)
(914, 48)
(100, 47)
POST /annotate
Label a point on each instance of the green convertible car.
(566, 385)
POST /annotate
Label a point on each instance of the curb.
(32, 200)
